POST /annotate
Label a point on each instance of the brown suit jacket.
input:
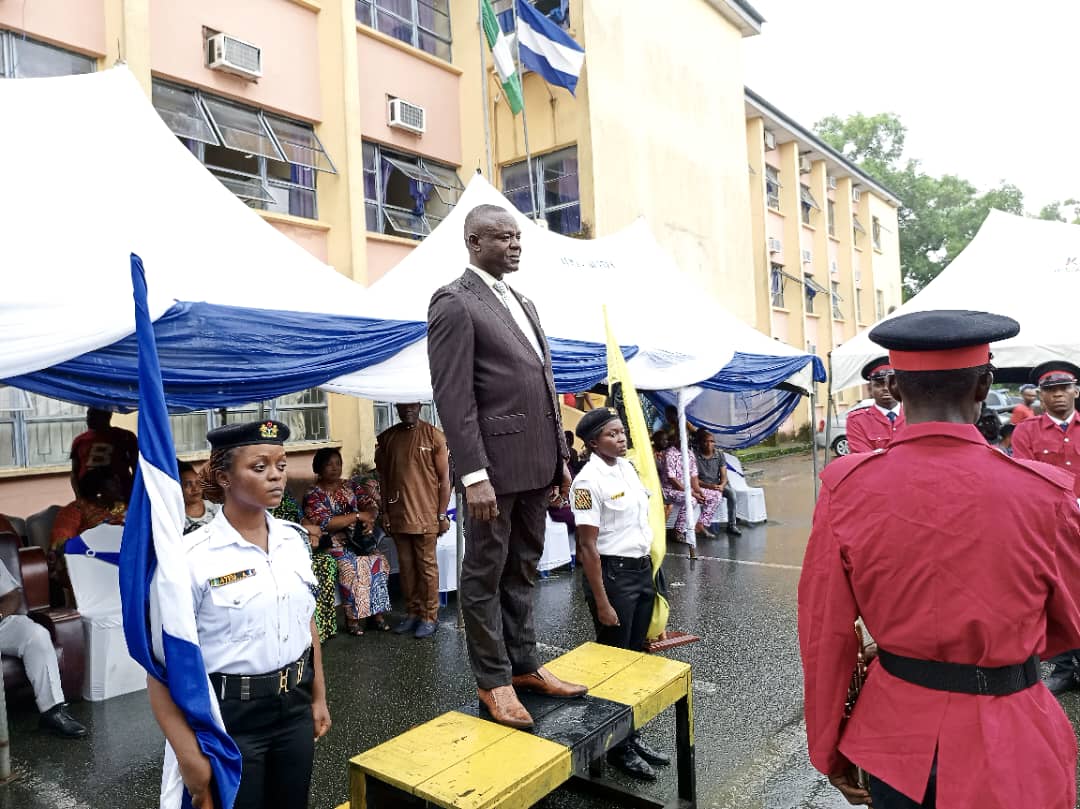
(496, 398)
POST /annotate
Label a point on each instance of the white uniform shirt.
(613, 499)
(253, 609)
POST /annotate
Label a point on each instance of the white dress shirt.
(613, 499)
(517, 311)
(885, 412)
(252, 609)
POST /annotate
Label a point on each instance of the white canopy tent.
(684, 335)
(95, 175)
(1028, 269)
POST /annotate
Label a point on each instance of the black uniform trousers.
(629, 587)
(885, 797)
(498, 575)
(276, 737)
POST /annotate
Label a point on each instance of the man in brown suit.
(491, 374)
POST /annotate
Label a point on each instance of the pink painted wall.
(388, 71)
(78, 25)
(286, 33)
(314, 241)
(813, 322)
(383, 257)
(780, 321)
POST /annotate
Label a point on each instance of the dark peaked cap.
(942, 339)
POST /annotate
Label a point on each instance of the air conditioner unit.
(231, 55)
(856, 194)
(805, 165)
(832, 182)
(807, 256)
(774, 245)
(770, 141)
(403, 115)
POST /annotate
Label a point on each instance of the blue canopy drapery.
(578, 365)
(226, 356)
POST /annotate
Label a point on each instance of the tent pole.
(688, 497)
(813, 435)
(830, 413)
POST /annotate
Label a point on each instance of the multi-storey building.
(826, 249)
(349, 126)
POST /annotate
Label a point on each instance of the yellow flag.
(641, 456)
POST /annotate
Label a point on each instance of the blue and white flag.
(547, 49)
(155, 587)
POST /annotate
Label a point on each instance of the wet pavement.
(739, 596)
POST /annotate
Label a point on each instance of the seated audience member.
(100, 501)
(673, 486)
(671, 425)
(712, 474)
(21, 637)
(322, 563)
(197, 511)
(104, 446)
(347, 513)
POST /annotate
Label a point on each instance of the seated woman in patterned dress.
(346, 512)
(324, 565)
(673, 487)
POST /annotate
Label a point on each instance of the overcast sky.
(986, 88)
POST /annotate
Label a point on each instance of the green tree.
(938, 216)
(1065, 211)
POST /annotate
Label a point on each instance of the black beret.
(1055, 372)
(877, 368)
(593, 422)
(942, 339)
(250, 432)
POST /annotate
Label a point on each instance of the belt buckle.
(283, 684)
(245, 689)
(299, 670)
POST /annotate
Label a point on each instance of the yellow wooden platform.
(460, 761)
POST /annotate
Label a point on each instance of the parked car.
(1002, 403)
(838, 432)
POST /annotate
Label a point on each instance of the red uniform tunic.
(869, 429)
(970, 566)
(1021, 413)
(1040, 439)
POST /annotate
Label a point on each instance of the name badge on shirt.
(229, 578)
(617, 496)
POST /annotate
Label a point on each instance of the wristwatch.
(442, 517)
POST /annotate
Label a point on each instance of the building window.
(875, 232)
(812, 289)
(386, 415)
(857, 230)
(555, 180)
(879, 299)
(304, 412)
(268, 161)
(858, 305)
(807, 204)
(831, 213)
(837, 313)
(25, 58)
(558, 11)
(776, 285)
(424, 24)
(772, 188)
(40, 432)
(406, 195)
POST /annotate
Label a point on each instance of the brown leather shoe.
(544, 682)
(505, 708)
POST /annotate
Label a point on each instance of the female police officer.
(611, 507)
(252, 584)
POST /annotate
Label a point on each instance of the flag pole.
(524, 118)
(484, 90)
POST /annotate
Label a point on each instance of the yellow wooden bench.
(463, 761)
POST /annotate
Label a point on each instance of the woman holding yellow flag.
(614, 538)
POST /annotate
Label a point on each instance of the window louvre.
(179, 108)
(555, 178)
(407, 222)
(242, 129)
(406, 195)
(855, 223)
(300, 144)
(244, 186)
(808, 198)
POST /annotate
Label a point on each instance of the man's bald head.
(480, 216)
(493, 239)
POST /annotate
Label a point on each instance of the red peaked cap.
(1055, 372)
(942, 339)
(877, 368)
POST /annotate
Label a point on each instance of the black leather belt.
(628, 562)
(244, 687)
(962, 678)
